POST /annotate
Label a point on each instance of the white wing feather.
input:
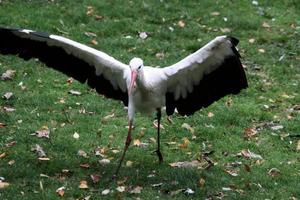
(182, 76)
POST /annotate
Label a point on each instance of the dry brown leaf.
(160, 55)
(2, 155)
(84, 165)
(74, 92)
(107, 117)
(201, 182)
(105, 192)
(181, 23)
(8, 109)
(98, 17)
(8, 95)
(90, 34)
(2, 125)
(42, 133)
(83, 184)
(82, 153)
(90, 11)
(155, 125)
(121, 189)
(8, 75)
(274, 172)
(298, 145)
(261, 51)
(11, 162)
(225, 30)
(265, 25)
(10, 144)
(39, 150)
(94, 42)
(249, 133)
(104, 162)
(3, 185)
(185, 164)
(246, 153)
(251, 40)
(185, 143)
(95, 178)
(61, 191)
(136, 190)
(129, 163)
(136, 142)
(210, 114)
(216, 13)
(231, 172)
(188, 127)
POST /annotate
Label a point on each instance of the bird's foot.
(159, 154)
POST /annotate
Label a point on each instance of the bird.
(192, 83)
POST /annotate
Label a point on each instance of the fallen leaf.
(298, 145)
(74, 92)
(107, 117)
(76, 135)
(143, 35)
(104, 162)
(83, 184)
(274, 172)
(181, 23)
(90, 11)
(129, 163)
(10, 144)
(277, 127)
(98, 17)
(265, 25)
(90, 34)
(8, 109)
(82, 153)
(44, 159)
(121, 189)
(105, 192)
(188, 127)
(7, 95)
(84, 165)
(2, 125)
(189, 191)
(251, 40)
(2, 155)
(216, 13)
(8, 75)
(61, 191)
(95, 178)
(246, 153)
(39, 150)
(94, 42)
(157, 185)
(225, 30)
(210, 114)
(136, 142)
(3, 185)
(249, 133)
(185, 164)
(231, 172)
(185, 143)
(42, 133)
(155, 125)
(136, 190)
(261, 51)
(160, 55)
(11, 162)
(175, 192)
(201, 183)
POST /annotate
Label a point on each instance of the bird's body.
(194, 82)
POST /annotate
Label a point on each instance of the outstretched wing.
(83, 63)
(204, 77)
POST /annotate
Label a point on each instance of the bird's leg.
(160, 157)
(127, 143)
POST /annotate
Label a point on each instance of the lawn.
(245, 146)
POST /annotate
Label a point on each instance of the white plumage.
(188, 85)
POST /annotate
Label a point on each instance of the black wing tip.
(36, 33)
(233, 40)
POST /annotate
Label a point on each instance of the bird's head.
(136, 66)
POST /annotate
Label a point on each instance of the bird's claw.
(158, 153)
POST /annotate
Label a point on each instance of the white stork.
(195, 82)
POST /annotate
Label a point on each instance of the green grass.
(271, 82)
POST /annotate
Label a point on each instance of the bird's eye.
(140, 67)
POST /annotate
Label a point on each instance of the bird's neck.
(140, 82)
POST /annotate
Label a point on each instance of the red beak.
(133, 80)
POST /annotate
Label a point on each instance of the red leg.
(127, 143)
